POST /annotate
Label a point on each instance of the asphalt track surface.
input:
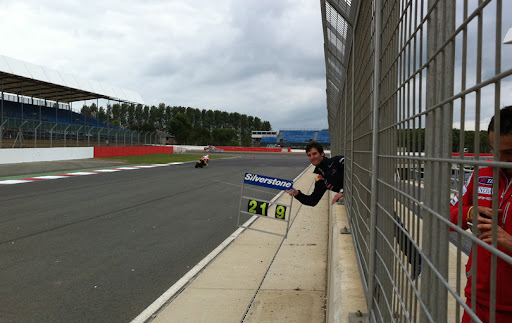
(101, 248)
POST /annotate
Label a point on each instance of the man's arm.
(312, 199)
(337, 197)
(503, 237)
(340, 165)
(467, 204)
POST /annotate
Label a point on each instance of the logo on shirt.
(485, 180)
(485, 190)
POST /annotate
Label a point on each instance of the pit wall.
(251, 149)
(27, 155)
(100, 152)
(233, 148)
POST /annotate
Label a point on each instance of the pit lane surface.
(101, 248)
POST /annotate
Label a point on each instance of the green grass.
(160, 158)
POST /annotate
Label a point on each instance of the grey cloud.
(263, 58)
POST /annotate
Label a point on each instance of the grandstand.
(42, 113)
(291, 138)
(296, 136)
(269, 140)
(36, 109)
(323, 137)
(26, 125)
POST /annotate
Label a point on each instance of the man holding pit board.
(330, 175)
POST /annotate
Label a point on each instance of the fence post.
(438, 137)
(65, 135)
(77, 134)
(375, 146)
(99, 136)
(51, 135)
(35, 135)
(2, 131)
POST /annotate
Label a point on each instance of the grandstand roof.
(23, 78)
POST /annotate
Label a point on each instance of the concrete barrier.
(345, 292)
(189, 147)
(241, 149)
(179, 150)
(333, 313)
(24, 155)
(255, 149)
(27, 155)
(131, 151)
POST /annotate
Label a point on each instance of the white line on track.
(67, 175)
(81, 173)
(15, 181)
(167, 295)
(51, 177)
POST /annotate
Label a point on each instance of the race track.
(101, 248)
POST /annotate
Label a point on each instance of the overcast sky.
(258, 57)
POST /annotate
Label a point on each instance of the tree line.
(189, 125)
(414, 140)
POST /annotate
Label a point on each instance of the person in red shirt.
(483, 209)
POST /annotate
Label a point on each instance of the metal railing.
(400, 77)
(18, 133)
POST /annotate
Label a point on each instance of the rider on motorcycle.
(205, 160)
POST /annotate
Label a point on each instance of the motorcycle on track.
(204, 161)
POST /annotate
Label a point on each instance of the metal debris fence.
(19, 133)
(408, 82)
